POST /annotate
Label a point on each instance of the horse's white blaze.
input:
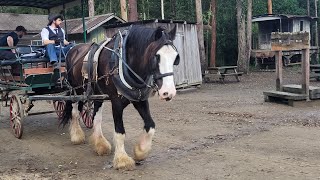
(76, 133)
(167, 57)
(100, 143)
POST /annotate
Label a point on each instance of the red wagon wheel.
(87, 114)
(59, 107)
(16, 116)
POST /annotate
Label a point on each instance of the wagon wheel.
(87, 114)
(59, 107)
(16, 116)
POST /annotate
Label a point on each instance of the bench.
(224, 71)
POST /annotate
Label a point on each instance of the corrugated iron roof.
(33, 23)
(75, 26)
(268, 17)
(44, 4)
(149, 21)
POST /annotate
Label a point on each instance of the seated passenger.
(53, 36)
(9, 40)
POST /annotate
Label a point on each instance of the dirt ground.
(217, 131)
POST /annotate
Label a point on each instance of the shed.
(33, 23)
(280, 23)
(95, 26)
(188, 72)
(269, 23)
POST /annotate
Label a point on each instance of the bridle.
(176, 62)
(134, 87)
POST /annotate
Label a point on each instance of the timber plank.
(285, 95)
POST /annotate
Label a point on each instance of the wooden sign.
(290, 41)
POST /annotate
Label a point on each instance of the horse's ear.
(172, 33)
(158, 33)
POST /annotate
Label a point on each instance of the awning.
(44, 4)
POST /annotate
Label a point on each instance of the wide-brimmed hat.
(53, 17)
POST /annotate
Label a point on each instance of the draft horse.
(144, 68)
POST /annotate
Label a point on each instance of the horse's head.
(165, 56)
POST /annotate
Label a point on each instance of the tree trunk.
(144, 9)
(91, 7)
(316, 24)
(269, 6)
(213, 33)
(249, 34)
(123, 6)
(162, 9)
(133, 11)
(308, 7)
(173, 8)
(242, 55)
(204, 64)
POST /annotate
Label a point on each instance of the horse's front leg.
(121, 159)
(100, 144)
(76, 132)
(143, 147)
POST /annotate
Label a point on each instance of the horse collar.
(125, 84)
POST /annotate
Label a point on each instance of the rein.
(127, 82)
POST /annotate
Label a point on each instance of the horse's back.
(74, 62)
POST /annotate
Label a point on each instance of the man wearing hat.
(53, 37)
(9, 40)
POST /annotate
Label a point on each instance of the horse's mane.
(144, 43)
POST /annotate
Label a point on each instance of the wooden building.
(33, 23)
(95, 26)
(188, 72)
(269, 23)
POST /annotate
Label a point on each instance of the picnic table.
(315, 71)
(224, 71)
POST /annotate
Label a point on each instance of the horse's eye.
(158, 58)
(177, 61)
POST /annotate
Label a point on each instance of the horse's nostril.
(165, 94)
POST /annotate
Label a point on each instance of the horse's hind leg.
(76, 132)
(143, 147)
(121, 159)
(99, 142)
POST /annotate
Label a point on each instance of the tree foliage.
(185, 10)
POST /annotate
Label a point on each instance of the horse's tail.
(67, 113)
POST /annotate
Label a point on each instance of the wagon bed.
(25, 80)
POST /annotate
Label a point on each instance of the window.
(301, 25)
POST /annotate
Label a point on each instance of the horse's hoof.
(123, 162)
(140, 154)
(101, 145)
(77, 136)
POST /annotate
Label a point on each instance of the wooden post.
(83, 22)
(123, 6)
(278, 55)
(305, 72)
